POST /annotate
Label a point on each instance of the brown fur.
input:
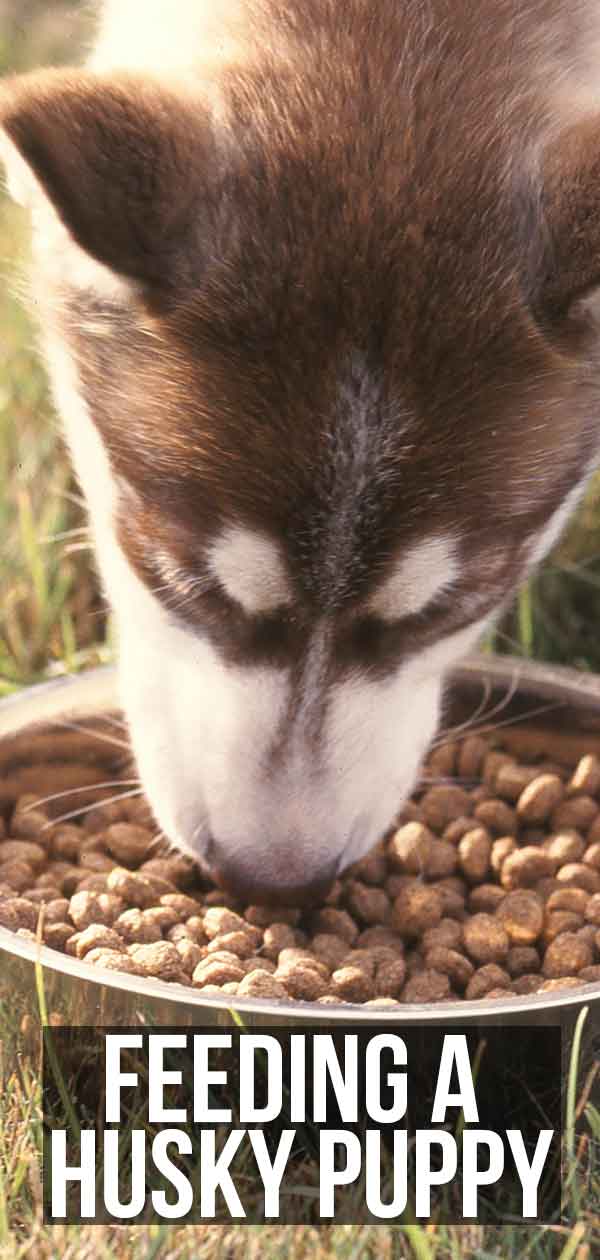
(354, 314)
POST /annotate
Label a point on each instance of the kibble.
(485, 888)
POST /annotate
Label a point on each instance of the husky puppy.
(317, 284)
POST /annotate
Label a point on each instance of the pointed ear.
(571, 207)
(122, 159)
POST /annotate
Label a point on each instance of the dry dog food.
(488, 886)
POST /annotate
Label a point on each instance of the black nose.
(272, 887)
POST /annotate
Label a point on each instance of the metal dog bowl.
(561, 706)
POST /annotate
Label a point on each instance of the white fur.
(251, 569)
(203, 731)
(422, 572)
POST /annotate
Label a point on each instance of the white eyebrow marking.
(251, 570)
(424, 570)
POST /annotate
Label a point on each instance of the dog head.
(328, 366)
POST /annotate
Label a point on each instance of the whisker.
(45, 800)
(480, 711)
(76, 813)
(84, 730)
(552, 705)
(112, 721)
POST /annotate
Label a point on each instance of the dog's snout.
(267, 883)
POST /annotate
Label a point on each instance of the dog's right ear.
(122, 159)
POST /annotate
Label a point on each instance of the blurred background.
(52, 616)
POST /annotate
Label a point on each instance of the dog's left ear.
(123, 160)
(570, 204)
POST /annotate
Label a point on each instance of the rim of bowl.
(94, 691)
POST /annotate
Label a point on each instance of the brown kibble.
(112, 960)
(579, 813)
(257, 962)
(368, 905)
(426, 986)
(452, 903)
(298, 957)
(56, 935)
(491, 766)
(565, 846)
(86, 908)
(410, 847)
(164, 917)
(262, 916)
(574, 899)
(190, 954)
(127, 843)
(457, 829)
(337, 923)
(18, 912)
(566, 955)
(416, 908)
(183, 905)
(442, 803)
(442, 860)
(97, 936)
(591, 975)
(500, 851)
(371, 869)
(373, 936)
(498, 993)
(528, 983)
(135, 928)
(497, 817)
(474, 854)
(585, 778)
(67, 841)
(539, 798)
(56, 911)
(219, 919)
(240, 943)
(95, 861)
(330, 950)
(485, 978)
(592, 909)
(447, 934)
(352, 983)
(390, 977)
(177, 869)
(26, 851)
(259, 983)
(485, 938)
(521, 914)
(453, 964)
(525, 867)
(512, 779)
(302, 982)
(277, 937)
(132, 886)
(577, 875)
(564, 982)
(522, 959)
(591, 857)
(18, 875)
(560, 921)
(366, 959)
(471, 754)
(160, 958)
(485, 898)
(442, 759)
(378, 1001)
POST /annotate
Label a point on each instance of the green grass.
(23, 1234)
